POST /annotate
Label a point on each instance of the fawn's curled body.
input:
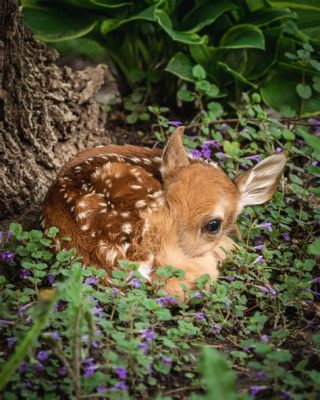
(152, 207)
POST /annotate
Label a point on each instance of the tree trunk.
(47, 114)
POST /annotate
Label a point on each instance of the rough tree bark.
(47, 114)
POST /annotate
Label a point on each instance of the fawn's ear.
(174, 155)
(258, 184)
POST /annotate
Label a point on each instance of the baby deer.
(155, 208)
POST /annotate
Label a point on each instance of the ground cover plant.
(253, 334)
(271, 46)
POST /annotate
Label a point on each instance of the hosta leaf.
(243, 36)
(206, 14)
(280, 89)
(179, 36)
(99, 4)
(110, 24)
(181, 66)
(84, 47)
(311, 5)
(236, 75)
(268, 16)
(51, 25)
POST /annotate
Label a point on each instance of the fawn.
(154, 207)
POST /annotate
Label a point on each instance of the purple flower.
(260, 375)
(197, 295)
(38, 367)
(315, 280)
(148, 334)
(101, 389)
(222, 155)
(268, 289)
(119, 386)
(23, 367)
(62, 371)
(266, 225)
(166, 301)
(286, 394)
(167, 361)
(11, 342)
(194, 153)
(91, 281)
(135, 283)
(7, 256)
(254, 157)
(216, 328)
(264, 338)
(255, 389)
(315, 123)
(206, 152)
(24, 274)
(42, 355)
(277, 150)
(51, 279)
(54, 335)
(286, 236)
(144, 346)
(176, 124)
(230, 278)
(9, 234)
(259, 259)
(97, 311)
(90, 367)
(122, 373)
(314, 163)
(244, 165)
(200, 316)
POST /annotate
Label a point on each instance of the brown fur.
(126, 202)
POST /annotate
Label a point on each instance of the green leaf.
(312, 140)
(185, 95)
(23, 348)
(16, 229)
(236, 75)
(199, 72)
(279, 89)
(314, 248)
(268, 16)
(315, 64)
(84, 47)
(206, 14)
(316, 83)
(243, 36)
(110, 24)
(100, 4)
(304, 91)
(179, 36)
(181, 66)
(218, 378)
(52, 25)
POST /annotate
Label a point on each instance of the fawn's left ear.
(258, 184)
(174, 155)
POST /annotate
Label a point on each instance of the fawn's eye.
(213, 226)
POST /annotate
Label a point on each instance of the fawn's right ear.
(174, 155)
(258, 184)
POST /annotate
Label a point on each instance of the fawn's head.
(204, 202)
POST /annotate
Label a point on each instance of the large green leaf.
(217, 376)
(206, 14)
(110, 24)
(239, 77)
(99, 4)
(179, 36)
(84, 47)
(52, 25)
(267, 17)
(243, 36)
(296, 4)
(279, 90)
(181, 66)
